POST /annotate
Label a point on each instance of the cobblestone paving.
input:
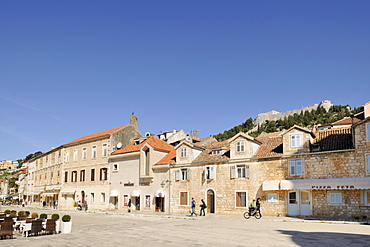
(110, 229)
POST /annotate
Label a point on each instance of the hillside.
(306, 117)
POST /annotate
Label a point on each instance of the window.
(102, 199)
(103, 174)
(105, 150)
(183, 198)
(368, 163)
(210, 172)
(65, 177)
(115, 168)
(295, 141)
(93, 154)
(92, 197)
(183, 174)
(183, 152)
(67, 156)
(74, 176)
(241, 199)
(335, 197)
(240, 146)
(125, 200)
(367, 198)
(272, 197)
(368, 131)
(84, 151)
(82, 176)
(92, 175)
(240, 171)
(75, 154)
(147, 201)
(216, 152)
(296, 168)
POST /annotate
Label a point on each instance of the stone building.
(78, 170)
(295, 172)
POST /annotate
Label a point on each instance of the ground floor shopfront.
(338, 197)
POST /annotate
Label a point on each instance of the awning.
(49, 194)
(67, 192)
(135, 193)
(270, 185)
(159, 193)
(36, 193)
(114, 193)
(326, 184)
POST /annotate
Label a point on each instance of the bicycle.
(256, 213)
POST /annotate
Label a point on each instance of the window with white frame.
(296, 168)
(295, 141)
(368, 131)
(103, 174)
(183, 174)
(272, 197)
(240, 146)
(82, 176)
(93, 154)
(74, 176)
(210, 172)
(67, 156)
(105, 150)
(216, 152)
(75, 154)
(92, 174)
(183, 152)
(241, 199)
(368, 163)
(84, 152)
(102, 199)
(239, 171)
(367, 198)
(335, 197)
(115, 168)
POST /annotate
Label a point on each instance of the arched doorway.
(210, 201)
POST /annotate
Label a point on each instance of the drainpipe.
(353, 131)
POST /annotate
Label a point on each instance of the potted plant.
(7, 212)
(13, 213)
(43, 217)
(57, 222)
(66, 224)
(27, 213)
(21, 213)
(34, 215)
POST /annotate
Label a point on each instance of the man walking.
(193, 205)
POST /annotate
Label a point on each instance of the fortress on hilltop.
(275, 115)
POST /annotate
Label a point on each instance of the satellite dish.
(119, 145)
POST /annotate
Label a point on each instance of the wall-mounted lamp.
(164, 183)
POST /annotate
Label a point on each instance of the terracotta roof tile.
(137, 144)
(170, 158)
(99, 134)
(271, 146)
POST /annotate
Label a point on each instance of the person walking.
(86, 206)
(193, 205)
(129, 206)
(202, 207)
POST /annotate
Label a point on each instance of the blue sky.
(72, 68)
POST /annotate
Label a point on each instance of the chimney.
(367, 109)
(194, 134)
(134, 121)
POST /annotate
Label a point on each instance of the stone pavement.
(158, 229)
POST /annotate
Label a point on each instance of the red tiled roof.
(99, 134)
(170, 158)
(272, 145)
(153, 141)
(346, 121)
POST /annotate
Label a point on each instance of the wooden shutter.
(178, 174)
(298, 167)
(188, 174)
(233, 171)
(247, 171)
(212, 170)
(292, 168)
(183, 198)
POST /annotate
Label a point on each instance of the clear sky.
(72, 68)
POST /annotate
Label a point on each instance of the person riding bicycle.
(258, 205)
(252, 206)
